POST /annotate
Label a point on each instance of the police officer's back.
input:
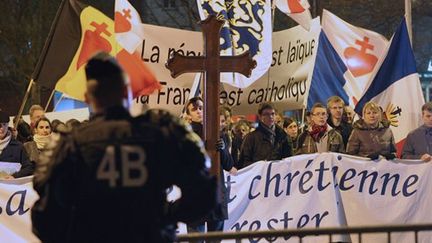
(107, 180)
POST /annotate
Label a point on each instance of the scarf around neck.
(270, 132)
(41, 141)
(317, 132)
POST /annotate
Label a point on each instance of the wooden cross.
(212, 64)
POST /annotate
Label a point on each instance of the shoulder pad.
(162, 119)
(169, 124)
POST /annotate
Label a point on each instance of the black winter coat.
(257, 146)
(15, 152)
(106, 181)
(344, 129)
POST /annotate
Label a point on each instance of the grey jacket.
(416, 143)
(365, 141)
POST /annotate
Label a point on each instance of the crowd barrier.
(306, 235)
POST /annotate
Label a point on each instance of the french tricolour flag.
(347, 58)
(396, 87)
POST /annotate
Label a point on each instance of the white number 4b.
(107, 168)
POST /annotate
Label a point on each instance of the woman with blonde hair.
(372, 136)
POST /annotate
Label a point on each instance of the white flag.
(127, 26)
(358, 48)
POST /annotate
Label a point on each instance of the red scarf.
(317, 132)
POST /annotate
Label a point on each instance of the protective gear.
(106, 181)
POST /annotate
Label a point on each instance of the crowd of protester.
(24, 143)
(168, 151)
(326, 128)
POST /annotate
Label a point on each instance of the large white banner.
(330, 190)
(286, 82)
(16, 198)
(306, 191)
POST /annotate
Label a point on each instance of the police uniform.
(107, 180)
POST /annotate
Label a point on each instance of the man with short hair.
(267, 142)
(350, 114)
(194, 115)
(107, 180)
(418, 144)
(35, 113)
(336, 119)
(319, 137)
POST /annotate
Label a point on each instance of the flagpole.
(408, 17)
(49, 100)
(58, 102)
(303, 112)
(41, 60)
(273, 7)
(21, 109)
(47, 44)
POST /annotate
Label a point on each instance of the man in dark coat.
(267, 142)
(13, 151)
(418, 144)
(107, 180)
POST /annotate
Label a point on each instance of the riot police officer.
(107, 180)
